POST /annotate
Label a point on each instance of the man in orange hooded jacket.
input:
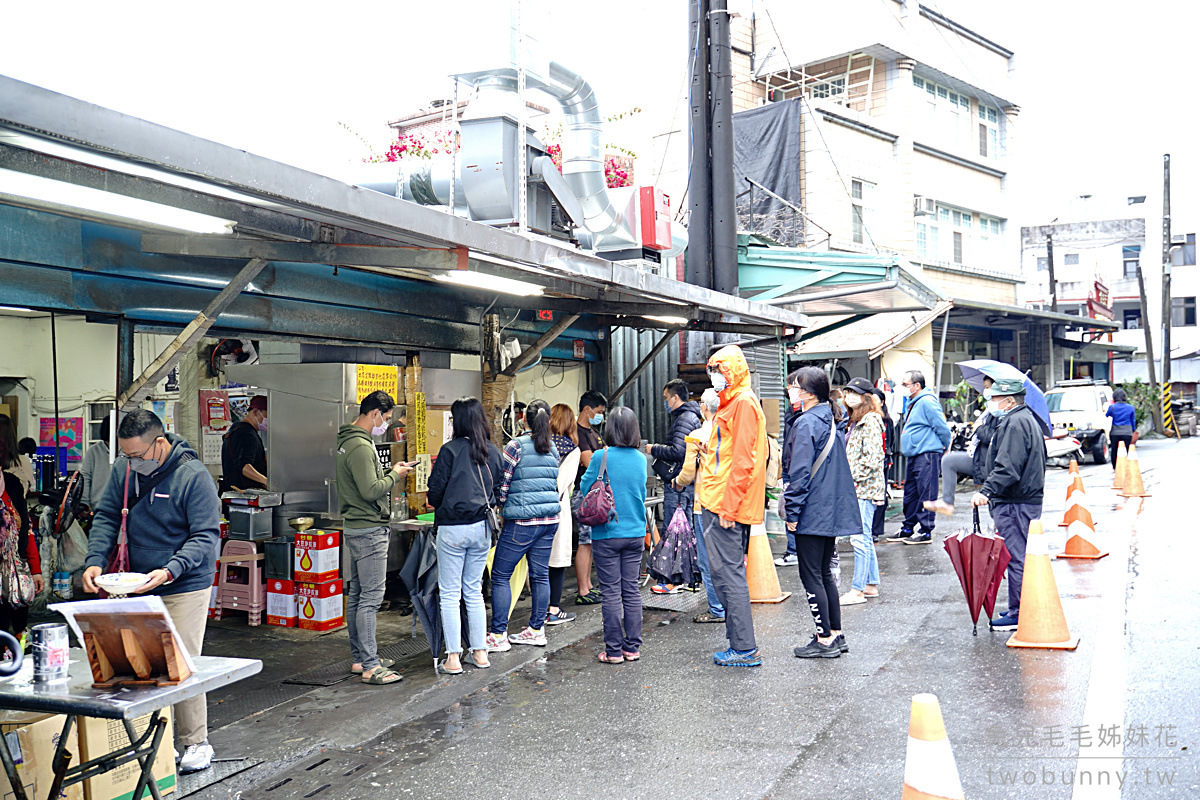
(732, 495)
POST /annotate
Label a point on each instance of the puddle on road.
(416, 742)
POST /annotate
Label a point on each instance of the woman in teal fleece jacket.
(617, 545)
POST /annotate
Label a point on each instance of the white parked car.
(1078, 408)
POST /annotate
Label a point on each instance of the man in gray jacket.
(1015, 483)
(364, 499)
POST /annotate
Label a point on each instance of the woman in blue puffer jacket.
(820, 504)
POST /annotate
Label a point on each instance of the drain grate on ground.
(222, 768)
(684, 601)
(325, 775)
(336, 673)
(227, 707)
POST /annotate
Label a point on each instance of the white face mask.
(718, 381)
(794, 395)
(853, 400)
(379, 430)
(992, 406)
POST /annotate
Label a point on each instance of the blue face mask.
(1001, 413)
(666, 406)
(597, 419)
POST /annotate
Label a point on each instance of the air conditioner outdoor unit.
(1178, 238)
(924, 206)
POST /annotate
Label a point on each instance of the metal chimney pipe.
(724, 213)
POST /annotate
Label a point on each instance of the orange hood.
(732, 363)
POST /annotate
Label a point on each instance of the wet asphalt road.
(1022, 723)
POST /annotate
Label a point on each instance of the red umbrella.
(979, 560)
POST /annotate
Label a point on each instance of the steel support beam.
(306, 252)
(125, 330)
(194, 331)
(641, 367)
(531, 352)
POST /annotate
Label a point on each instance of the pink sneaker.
(498, 643)
(529, 636)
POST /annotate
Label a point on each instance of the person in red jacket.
(17, 539)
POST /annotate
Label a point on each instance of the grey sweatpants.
(953, 465)
(727, 567)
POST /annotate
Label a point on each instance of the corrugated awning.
(869, 337)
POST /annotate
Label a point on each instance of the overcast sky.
(1105, 87)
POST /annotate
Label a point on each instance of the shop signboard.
(373, 378)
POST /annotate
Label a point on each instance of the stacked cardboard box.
(32, 739)
(98, 737)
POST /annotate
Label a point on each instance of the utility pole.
(1168, 422)
(1149, 340)
(724, 213)
(1050, 266)
(699, 251)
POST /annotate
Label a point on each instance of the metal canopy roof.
(829, 282)
(312, 218)
(868, 337)
(1017, 312)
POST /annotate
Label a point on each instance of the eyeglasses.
(142, 454)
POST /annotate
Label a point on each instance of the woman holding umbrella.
(462, 486)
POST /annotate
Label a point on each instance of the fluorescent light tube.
(489, 282)
(67, 197)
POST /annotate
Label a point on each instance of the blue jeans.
(517, 541)
(367, 549)
(462, 554)
(714, 603)
(618, 564)
(866, 563)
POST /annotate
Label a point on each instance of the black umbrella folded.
(420, 575)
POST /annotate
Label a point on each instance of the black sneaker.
(815, 649)
(898, 536)
(919, 538)
(840, 641)
(1005, 622)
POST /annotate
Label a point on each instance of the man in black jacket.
(668, 458)
(1015, 483)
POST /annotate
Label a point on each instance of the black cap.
(859, 386)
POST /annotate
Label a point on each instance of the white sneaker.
(196, 757)
(529, 636)
(498, 643)
(787, 560)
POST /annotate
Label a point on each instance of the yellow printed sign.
(416, 437)
(372, 378)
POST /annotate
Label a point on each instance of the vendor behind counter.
(243, 457)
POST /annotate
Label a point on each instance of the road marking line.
(1105, 705)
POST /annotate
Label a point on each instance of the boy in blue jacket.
(923, 439)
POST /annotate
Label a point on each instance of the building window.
(862, 193)
(958, 247)
(834, 87)
(1129, 258)
(1043, 264)
(1071, 260)
(1183, 250)
(1183, 312)
(989, 132)
(856, 223)
(1132, 319)
(922, 240)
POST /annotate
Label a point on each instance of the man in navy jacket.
(923, 439)
(668, 458)
(173, 533)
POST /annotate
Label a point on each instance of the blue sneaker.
(737, 658)
(1007, 622)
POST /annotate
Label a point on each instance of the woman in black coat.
(820, 504)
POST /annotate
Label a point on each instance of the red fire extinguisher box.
(654, 208)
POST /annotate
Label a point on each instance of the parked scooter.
(1061, 449)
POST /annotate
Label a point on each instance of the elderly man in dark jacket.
(668, 458)
(1015, 482)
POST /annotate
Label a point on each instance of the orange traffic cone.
(1077, 504)
(760, 570)
(1040, 621)
(1133, 476)
(929, 769)
(1119, 476)
(1080, 544)
(1074, 468)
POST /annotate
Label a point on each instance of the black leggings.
(1114, 444)
(815, 554)
(557, 575)
(13, 620)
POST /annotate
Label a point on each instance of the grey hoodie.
(363, 490)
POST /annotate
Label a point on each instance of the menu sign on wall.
(374, 378)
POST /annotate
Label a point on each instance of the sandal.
(589, 599)
(605, 658)
(446, 670)
(383, 677)
(631, 656)
(477, 665)
(383, 662)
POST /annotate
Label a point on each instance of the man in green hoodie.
(364, 496)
